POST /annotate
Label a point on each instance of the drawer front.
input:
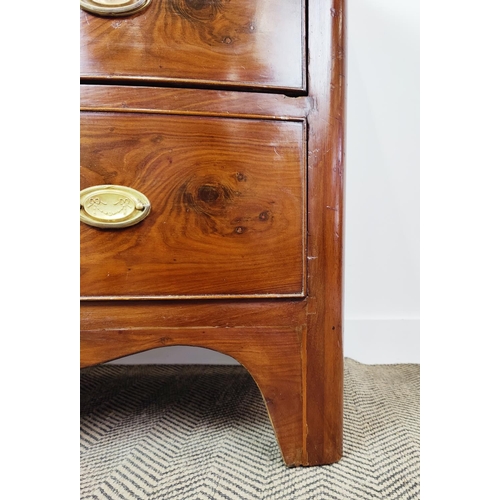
(227, 206)
(247, 43)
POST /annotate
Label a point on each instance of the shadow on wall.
(177, 355)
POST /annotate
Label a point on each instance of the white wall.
(382, 184)
(382, 190)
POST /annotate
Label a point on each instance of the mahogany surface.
(227, 201)
(280, 313)
(193, 102)
(252, 43)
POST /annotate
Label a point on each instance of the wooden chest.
(212, 159)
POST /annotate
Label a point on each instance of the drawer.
(256, 44)
(227, 202)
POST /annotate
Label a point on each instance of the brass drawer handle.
(114, 8)
(113, 207)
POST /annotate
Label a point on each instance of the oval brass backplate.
(112, 207)
(114, 8)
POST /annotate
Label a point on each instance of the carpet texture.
(202, 432)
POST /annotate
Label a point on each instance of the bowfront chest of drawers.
(212, 195)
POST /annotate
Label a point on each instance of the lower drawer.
(227, 202)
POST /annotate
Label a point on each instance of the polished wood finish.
(192, 102)
(292, 346)
(227, 200)
(264, 336)
(271, 354)
(251, 43)
(324, 341)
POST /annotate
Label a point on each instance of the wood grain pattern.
(119, 315)
(193, 102)
(292, 346)
(323, 349)
(248, 43)
(272, 357)
(264, 336)
(227, 201)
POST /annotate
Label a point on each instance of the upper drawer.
(227, 206)
(253, 44)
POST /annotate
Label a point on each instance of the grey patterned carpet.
(202, 432)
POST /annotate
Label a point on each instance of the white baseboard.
(370, 341)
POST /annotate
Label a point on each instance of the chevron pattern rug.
(202, 432)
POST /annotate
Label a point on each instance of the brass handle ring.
(113, 207)
(113, 8)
